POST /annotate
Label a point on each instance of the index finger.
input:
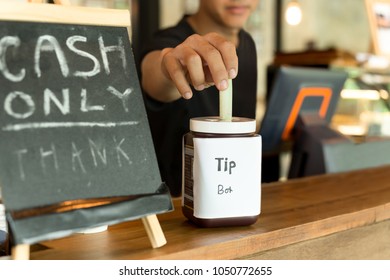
(227, 50)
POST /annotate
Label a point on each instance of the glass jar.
(221, 172)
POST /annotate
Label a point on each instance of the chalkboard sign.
(75, 145)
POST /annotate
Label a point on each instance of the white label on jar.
(227, 177)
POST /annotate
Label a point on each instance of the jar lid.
(215, 125)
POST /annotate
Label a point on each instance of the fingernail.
(208, 85)
(200, 87)
(232, 73)
(223, 85)
(187, 95)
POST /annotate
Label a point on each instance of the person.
(183, 69)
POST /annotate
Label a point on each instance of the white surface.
(227, 177)
(216, 125)
(94, 230)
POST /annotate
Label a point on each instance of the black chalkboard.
(75, 145)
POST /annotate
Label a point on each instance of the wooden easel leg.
(154, 231)
(20, 252)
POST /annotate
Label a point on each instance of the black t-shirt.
(170, 121)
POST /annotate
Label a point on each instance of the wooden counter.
(320, 214)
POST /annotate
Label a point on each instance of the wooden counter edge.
(366, 202)
(249, 245)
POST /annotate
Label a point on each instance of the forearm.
(154, 82)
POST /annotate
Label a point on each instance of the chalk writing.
(72, 119)
(18, 127)
(73, 128)
(123, 96)
(49, 43)
(49, 158)
(5, 42)
(93, 155)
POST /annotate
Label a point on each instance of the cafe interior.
(331, 196)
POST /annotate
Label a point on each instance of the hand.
(200, 61)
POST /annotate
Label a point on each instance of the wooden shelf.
(333, 57)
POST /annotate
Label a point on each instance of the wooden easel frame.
(40, 12)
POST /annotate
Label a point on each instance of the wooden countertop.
(293, 211)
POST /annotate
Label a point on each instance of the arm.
(199, 61)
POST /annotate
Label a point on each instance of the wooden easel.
(39, 12)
